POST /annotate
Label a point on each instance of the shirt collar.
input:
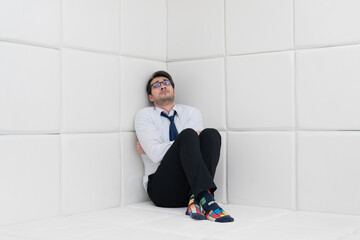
(175, 108)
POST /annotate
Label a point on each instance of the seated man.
(180, 158)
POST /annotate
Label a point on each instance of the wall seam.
(226, 107)
(61, 194)
(295, 177)
(264, 52)
(29, 43)
(167, 33)
(120, 62)
(70, 47)
(119, 42)
(121, 172)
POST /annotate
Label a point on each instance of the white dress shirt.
(152, 131)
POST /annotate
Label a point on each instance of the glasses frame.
(165, 82)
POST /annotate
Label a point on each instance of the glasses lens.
(156, 84)
(166, 82)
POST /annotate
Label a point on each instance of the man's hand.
(139, 148)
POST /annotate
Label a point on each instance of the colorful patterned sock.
(213, 211)
(194, 209)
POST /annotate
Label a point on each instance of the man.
(180, 158)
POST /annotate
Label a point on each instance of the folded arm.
(151, 145)
(150, 142)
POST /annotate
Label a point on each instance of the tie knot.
(171, 118)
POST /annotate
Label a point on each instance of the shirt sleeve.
(150, 138)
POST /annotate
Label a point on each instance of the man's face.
(163, 94)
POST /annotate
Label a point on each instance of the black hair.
(159, 74)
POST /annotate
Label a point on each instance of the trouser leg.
(210, 145)
(181, 171)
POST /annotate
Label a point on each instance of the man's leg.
(181, 171)
(210, 144)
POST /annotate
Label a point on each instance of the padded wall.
(72, 76)
(278, 79)
(287, 73)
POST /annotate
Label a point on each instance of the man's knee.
(188, 133)
(210, 132)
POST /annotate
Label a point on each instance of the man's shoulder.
(144, 117)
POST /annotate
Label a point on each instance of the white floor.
(145, 221)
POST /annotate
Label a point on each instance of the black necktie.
(172, 130)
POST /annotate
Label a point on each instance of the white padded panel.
(91, 92)
(116, 216)
(272, 231)
(260, 91)
(328, 172)
(195, 28)
(130, 233)
(4, 236)
(143, 28)
(58, 228)
(190, 229)
(34, 21)
(325, 221)
(261, 168)
(92, 24)
(328, 88)
(29, 177)
(326, 22)
(29, 88)
(258, 25)
(133, 190)
(201, 83)
(221, 171)
(134, 75)
(91, 172)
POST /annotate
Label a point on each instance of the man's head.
(160, 88)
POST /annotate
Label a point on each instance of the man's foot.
(212, 210)
(194, 209)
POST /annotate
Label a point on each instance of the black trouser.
(187, 167)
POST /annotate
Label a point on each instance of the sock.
(213, 211)
(194, 209)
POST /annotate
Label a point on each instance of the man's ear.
(151, 98)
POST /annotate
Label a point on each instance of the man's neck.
(166, 107)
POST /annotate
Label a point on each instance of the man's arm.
(139, 148)
(150, 138)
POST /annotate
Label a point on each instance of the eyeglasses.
(158, 84)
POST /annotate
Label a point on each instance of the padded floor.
(145, 221)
